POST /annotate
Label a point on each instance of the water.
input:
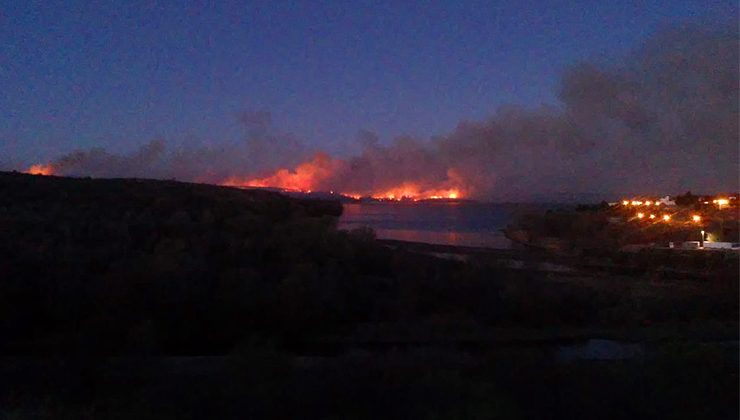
(456, 223)
(599, 349)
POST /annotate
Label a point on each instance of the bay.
(448, 223)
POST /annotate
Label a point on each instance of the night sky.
(81, 74)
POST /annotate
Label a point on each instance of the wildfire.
(40, 169)
(406, 193)
(304, 178)
(320, 172)
(412, 191)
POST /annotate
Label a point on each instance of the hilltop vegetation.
(610, 228)
(119, 266)
(91, 269)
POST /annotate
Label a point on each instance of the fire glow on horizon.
(40, 169)
(312, 175)
(582, 144)
(315, 175)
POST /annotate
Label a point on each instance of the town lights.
(652, 216)
(625, 203)
(666, 217)
(696, 218)
(636, 203)
(640, 215)
(647, 203)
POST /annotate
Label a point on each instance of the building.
(666, 201)
(722, 245)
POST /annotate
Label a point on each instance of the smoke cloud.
(664, 121)
(263, 148)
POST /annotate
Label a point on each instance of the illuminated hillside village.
(687, 221)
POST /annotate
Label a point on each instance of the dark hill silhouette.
(108, 287)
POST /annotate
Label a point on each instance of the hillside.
(126, 298)
(107, 259)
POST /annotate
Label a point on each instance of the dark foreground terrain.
(157, 299)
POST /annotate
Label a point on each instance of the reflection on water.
(462, 223)
(479, 239)
(599, 349)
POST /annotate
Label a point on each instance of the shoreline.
(427, 247)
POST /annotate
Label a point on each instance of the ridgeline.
(129, 298)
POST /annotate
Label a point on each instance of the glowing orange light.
(636, 203)
(696, 218)
(666, 217)
(640, 215)
(40, 170)
(647, 203)
(412, 191)
(625, 203)
(323, 171)
(652, 216)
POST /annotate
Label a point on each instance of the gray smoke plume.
(263, 148)
(664, 121)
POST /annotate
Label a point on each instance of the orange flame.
(40, 169)
(318, 172)
(303, 178)
(412, 191)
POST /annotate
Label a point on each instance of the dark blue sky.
(77, 74)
